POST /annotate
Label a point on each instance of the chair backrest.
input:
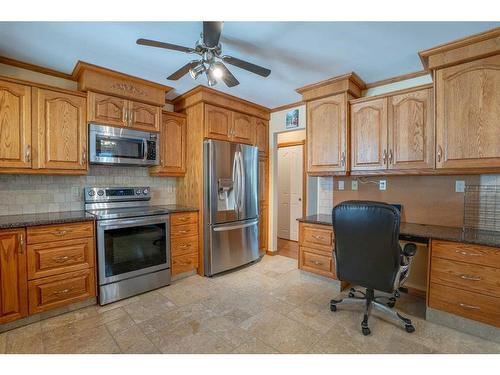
(367, 250)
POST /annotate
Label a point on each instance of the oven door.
(130, 247)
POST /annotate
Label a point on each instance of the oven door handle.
(121, 223)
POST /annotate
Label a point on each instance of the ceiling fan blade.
(228, 77)
(211, 33)
(154, 43)
(246, 65)
(182, 71)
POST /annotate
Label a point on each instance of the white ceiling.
(298, 53)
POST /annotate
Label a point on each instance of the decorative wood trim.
(399, 78)
(177, 114)
(211, 96)
(462, 50)
(292, 143)
(272, 253)
(288, 106)
(419, 293)
(392, 93)
(349, 82)
(42, 86)
(35, 68)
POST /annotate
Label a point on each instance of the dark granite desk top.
(424, 231)
(29, 220)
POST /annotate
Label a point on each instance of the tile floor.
(268, 307)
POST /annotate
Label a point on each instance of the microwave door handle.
(145, 149)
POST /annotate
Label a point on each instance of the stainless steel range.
(133, 241)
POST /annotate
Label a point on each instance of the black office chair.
(367, 253)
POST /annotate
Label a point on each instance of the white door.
(290, 174)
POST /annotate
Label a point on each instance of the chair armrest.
(410, 249)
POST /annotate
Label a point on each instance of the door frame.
(304, 174)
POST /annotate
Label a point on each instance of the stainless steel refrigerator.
(231, 205)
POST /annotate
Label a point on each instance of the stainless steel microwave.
(111, 145)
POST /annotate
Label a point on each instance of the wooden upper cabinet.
(262, 179)
(468, 115)
(218, 122)
(369, 135)
(144, 116)
(15, 125)
(261, 136)
(106, 109)
(13, 275)
(60, 130)
(243, 128)
(326, 135)
(411, 130)
(172, 146)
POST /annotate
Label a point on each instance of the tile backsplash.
(325, 195)
(36, 194)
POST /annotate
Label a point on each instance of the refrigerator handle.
(236, 182)
(241, 188)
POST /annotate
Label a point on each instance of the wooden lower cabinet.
(313, 261)
(263, 227)
(13, 277)
(184, 242)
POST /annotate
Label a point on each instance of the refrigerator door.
(248, 194)
(232, 245)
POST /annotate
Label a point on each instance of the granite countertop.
(424, 231)
(29, 220)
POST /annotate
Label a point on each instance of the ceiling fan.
(211, 61)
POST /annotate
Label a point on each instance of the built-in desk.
(463, 270)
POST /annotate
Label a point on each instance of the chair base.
(369, 300)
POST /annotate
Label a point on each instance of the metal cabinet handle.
(21, 244)
(317, 262)
(183, 219)
(60, 259)
(390, 156)
(64, 291)
(185, 246)
(384, 156)
(470, 307)
(28, 153)
(342, 159)
(60, 233)
(471, 278)
(465, 253)
(84, 156)
(184, 231)
(318, 237)
(439, 153)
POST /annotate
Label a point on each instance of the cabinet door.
(262, 180)
(108, 110)
(467, 115)
(326, 135)
(60, 125)
(173, 146)
(13, 275)
(411, 131)
(243, 129)
(217, 122)
(144, 116)
(261, 136)
(369, 135)
(15, 125)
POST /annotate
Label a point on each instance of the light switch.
(354, 185)
(459, 186)
(382, 185)
(341, 185)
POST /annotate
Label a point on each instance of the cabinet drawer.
(181, 246)
(311, 261)
(314, 235)
(184, 263)
(49, 233)
(185, 230)
(469, 253)
(47, 259)
(470, 305)
(184, 218)
(55, 291)
(480, 279)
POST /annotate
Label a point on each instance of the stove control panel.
(107, 194)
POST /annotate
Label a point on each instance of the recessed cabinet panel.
(105, 109)
(369, 135)
(144, 116)
(217, 122)
(243, 129)
(172, 146)
(326, 135)
(411, 131)
(261, 136)
(15, 125)
(467, 115)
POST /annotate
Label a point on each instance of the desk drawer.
(470, 305)
(184, 218)
(47, 259)
(472, 277)
(316, 235)
(184, 263)
(58, 232)
(187, 245)
(55, 291)
(185, 230)
(468, 253)
(313, 262)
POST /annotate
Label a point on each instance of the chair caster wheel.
(410, 328)
(351, 294)
(391, 304)
(333, 307)
(366, 331)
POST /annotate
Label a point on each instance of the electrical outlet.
(459, 186)
(382, 185)
(354, 185)
(341, 185)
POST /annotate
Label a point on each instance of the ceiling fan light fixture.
(217, 71)
(197, 70)
(211, 79)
